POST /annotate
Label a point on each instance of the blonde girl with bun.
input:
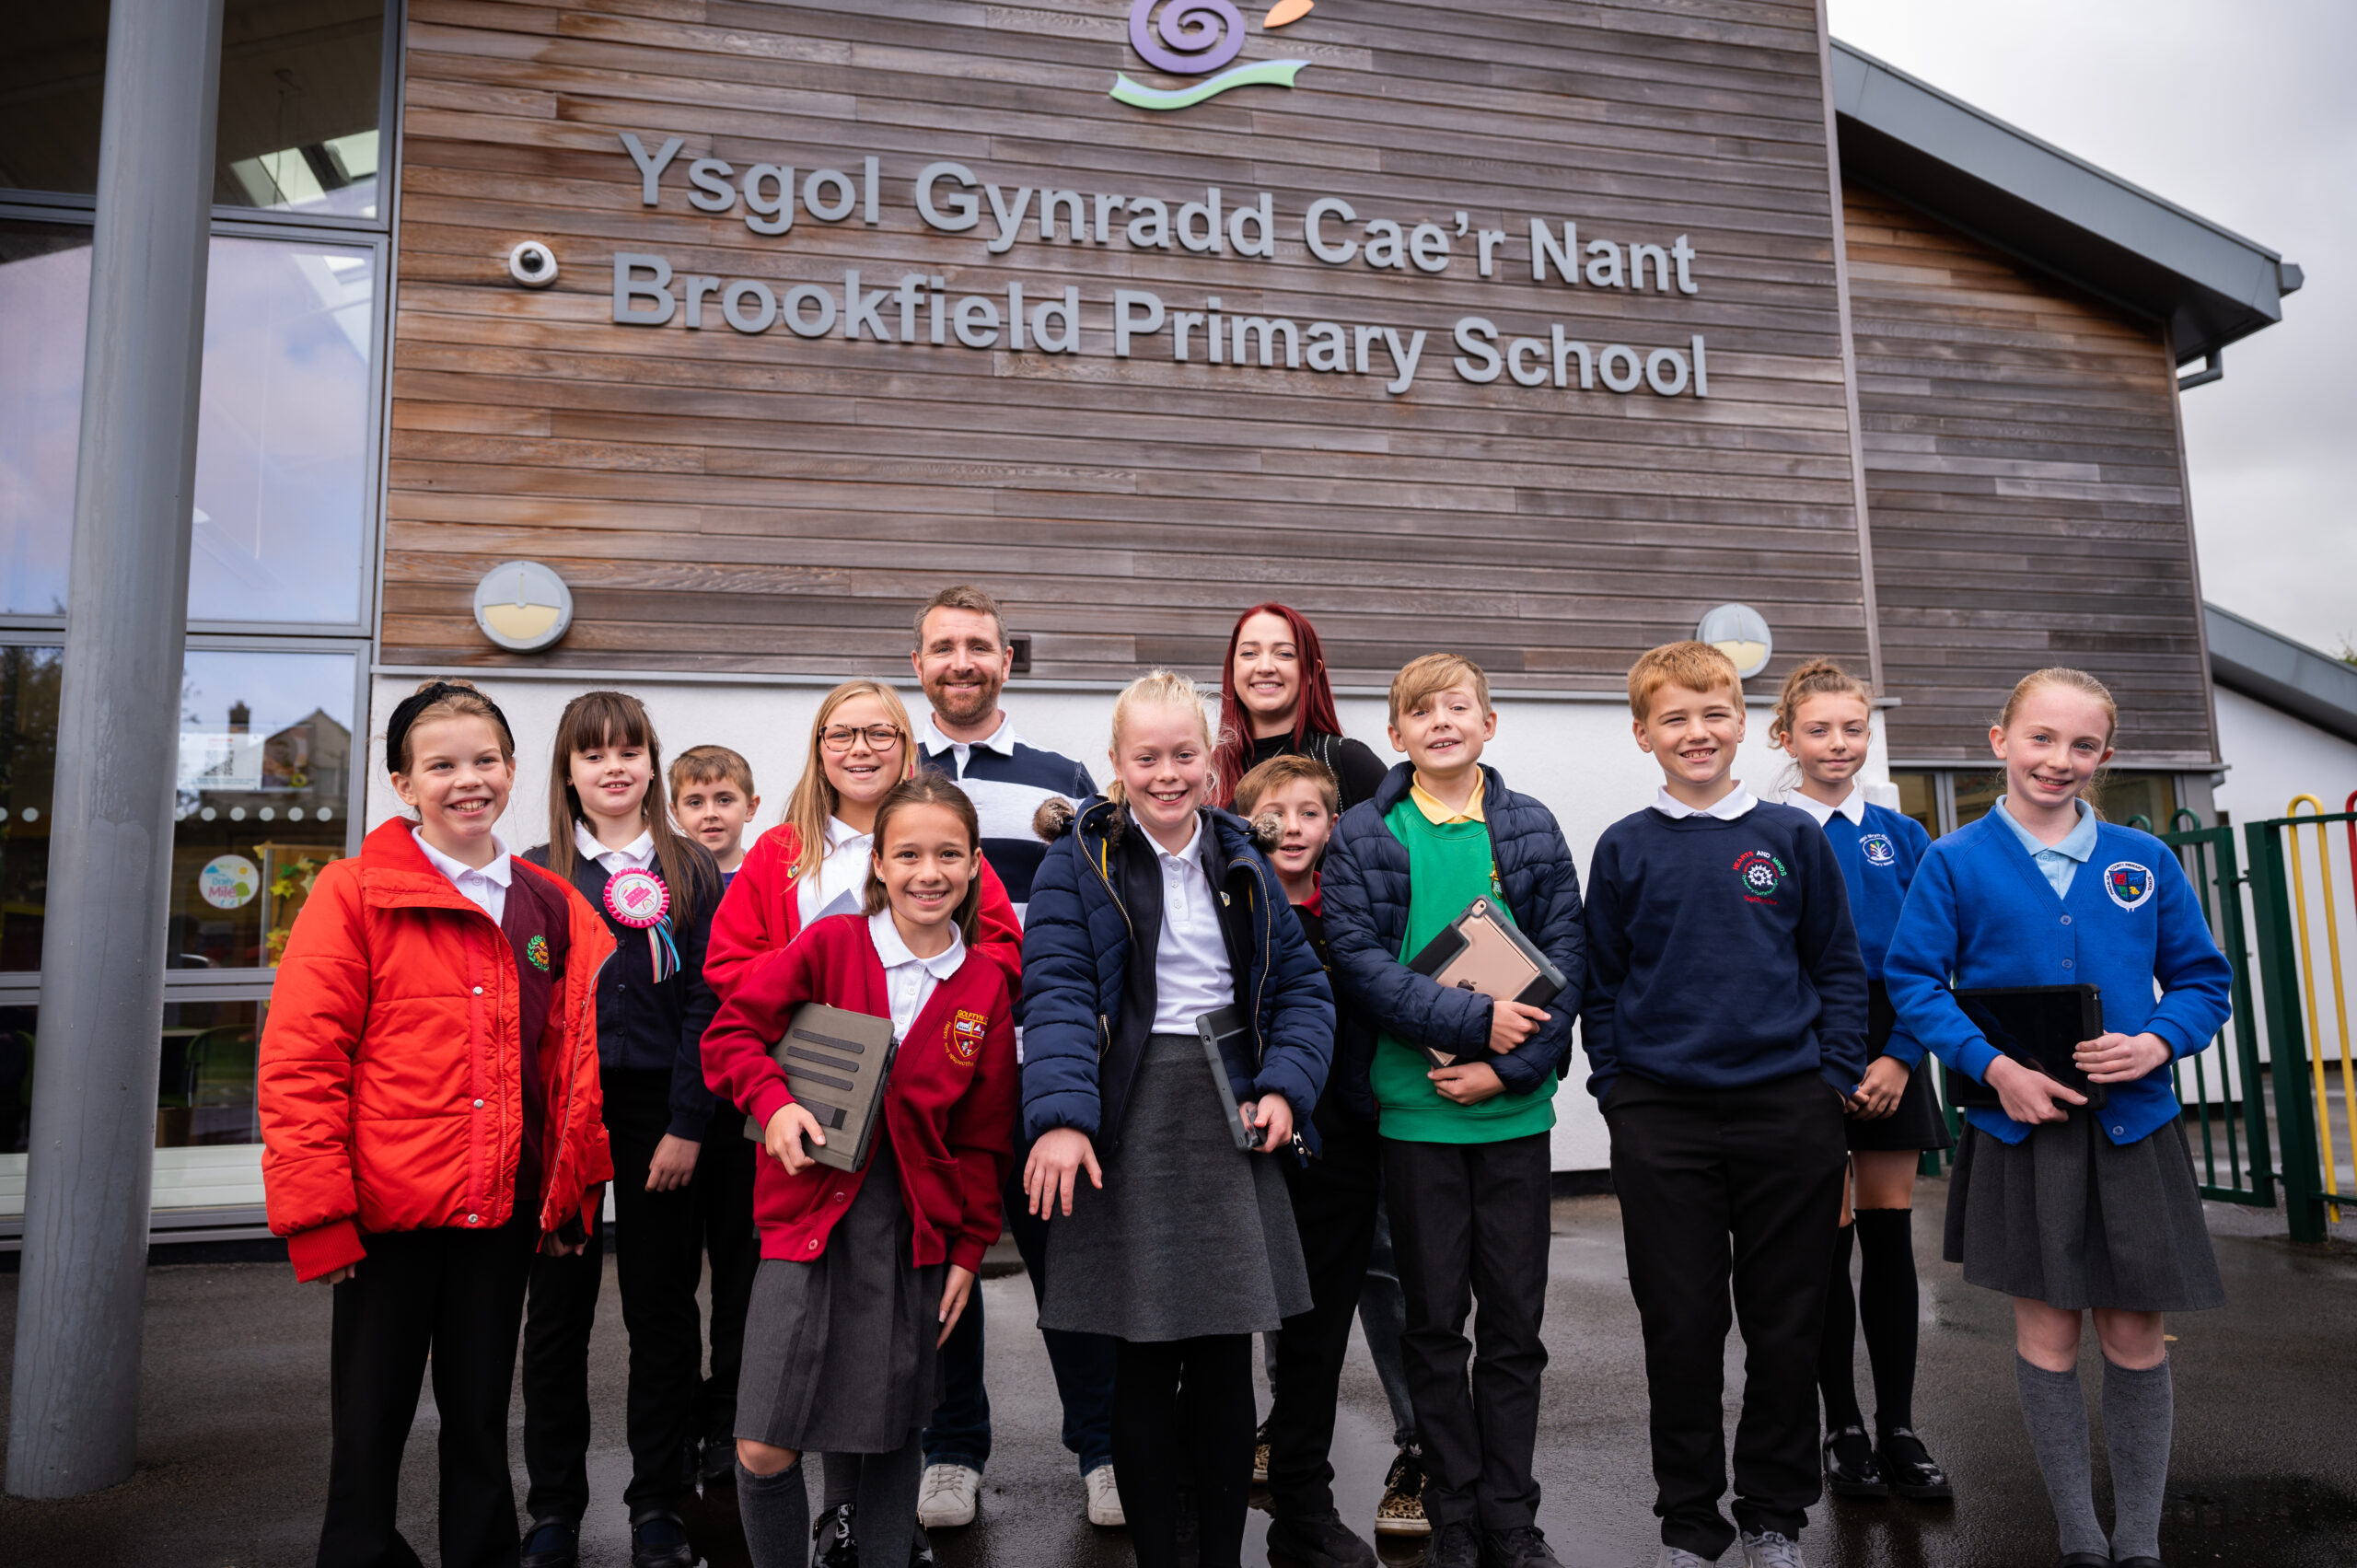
(1824, 720)
(1151, 910)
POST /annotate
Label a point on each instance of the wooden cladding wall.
(2023, 485)
(772, 503)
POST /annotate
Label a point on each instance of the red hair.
(1314, 712)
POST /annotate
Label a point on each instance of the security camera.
(532, 264)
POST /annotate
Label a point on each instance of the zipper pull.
(1301, 1151)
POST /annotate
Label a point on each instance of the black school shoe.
(1909, 1468)
(550, 1543)
(1524, 1548)
(2135, 1563)
(2096, 1560)
(1455, 1546)
(831, 1545)
(1317, 1541)
(659, 1540)
(718, 1466)
(1849, 1467)
(920, 1550)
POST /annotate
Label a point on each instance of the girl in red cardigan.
(430, 1116)
(815, 862)
(861, 1280)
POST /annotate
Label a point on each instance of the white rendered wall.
(2272, 756)
(1578, 757)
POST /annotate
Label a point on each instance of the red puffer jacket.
(761, 912)
(391, 1090)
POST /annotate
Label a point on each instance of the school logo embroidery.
(2128, 883)
(1761, 874)
(1195, 37)
(964, 1037)
(1877, 849)
(537, 949)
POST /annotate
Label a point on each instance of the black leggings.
(1183, 1413)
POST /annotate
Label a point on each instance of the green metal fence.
(2295, 906)
(2222, 1089)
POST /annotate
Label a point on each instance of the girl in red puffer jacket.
(430, 1118)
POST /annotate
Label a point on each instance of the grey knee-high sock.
(2056, 1413)
(2139, 1411)
(775, 1512)
(839, 1480)
(888, 1502)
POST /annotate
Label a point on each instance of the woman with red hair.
(1275, 699)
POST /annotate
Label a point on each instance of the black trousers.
(1334, 1199)
(659, 1260)
(1471, 1220)
(453, 1297)
(1741, 1185)
(722, 1189)
(1182, 1415)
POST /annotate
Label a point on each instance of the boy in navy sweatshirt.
(1725, 1021)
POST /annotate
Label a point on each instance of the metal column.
(75, 1409)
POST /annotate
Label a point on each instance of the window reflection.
(28, 764)
(1919, 797)
(17, 1028)
(204, 1080)
(265, 759)
(301, 83)
(281, 491)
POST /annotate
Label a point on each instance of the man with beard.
(962, 659)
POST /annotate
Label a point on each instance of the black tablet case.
(2037, 1026)
(1220, 1030)
(1451, 941)
(836, 1063)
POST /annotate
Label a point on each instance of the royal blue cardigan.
(1981, 912)
(1878, 857)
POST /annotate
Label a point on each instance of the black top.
(1356, 768)
(644, 1025)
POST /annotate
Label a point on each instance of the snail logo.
(1197, 37)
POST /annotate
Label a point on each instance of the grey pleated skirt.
(1190, 1235)
(2068, 1217)
(839, 1352)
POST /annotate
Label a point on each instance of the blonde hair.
(1159, 689)
(1277, 773)
(1696, 667)
(1421, 678)
(1817, 678)
(2077, 681)
(815, 796)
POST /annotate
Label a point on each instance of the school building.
(685, 348)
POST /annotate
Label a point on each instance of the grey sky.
(2244, 111)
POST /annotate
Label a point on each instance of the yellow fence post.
(2308, 981)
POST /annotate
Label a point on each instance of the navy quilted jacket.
(1078, 1060)
(1364, 879)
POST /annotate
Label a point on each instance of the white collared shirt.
(1192, 975)
(636, 855)
(1854, 806)
(1002, 740)
(910, 981)
(1726, 808)
(839, 885)
(486, 889)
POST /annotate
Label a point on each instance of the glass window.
(300, 83)
(44, 301)
(1918, 796)
(16, 1027)
(2122, 796)
(28, 764)
(1976, 793)
(265, 759)
(282, 447)
(301, 88)
(204, 1081)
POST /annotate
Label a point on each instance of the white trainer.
(949, 1496)
(1678, 1557)
(1771, 1548)
(1104, 1500)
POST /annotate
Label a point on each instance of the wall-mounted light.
(523, 606)
(532, 264)
(1740, 633)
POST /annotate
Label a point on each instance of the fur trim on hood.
(1056, 816)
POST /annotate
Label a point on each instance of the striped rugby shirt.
(1007, 778)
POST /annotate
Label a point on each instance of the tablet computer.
(2037, 1026)
(1222, 1031)
(836, 1063)
(1482, 950)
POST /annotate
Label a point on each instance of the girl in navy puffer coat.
(1151, 913)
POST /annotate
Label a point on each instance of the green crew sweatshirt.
(1449, 866)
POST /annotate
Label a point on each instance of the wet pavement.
(232, 1462)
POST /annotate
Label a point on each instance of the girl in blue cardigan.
(2067, 1210)
(1824, 721)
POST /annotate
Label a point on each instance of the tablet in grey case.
(836, 1063)
(1223, 1030)
(1483, 951)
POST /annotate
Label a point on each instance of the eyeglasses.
(842, 737)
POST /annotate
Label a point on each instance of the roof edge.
(2288, 676)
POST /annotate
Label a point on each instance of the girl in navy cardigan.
(2065, 1209)
(611, 836)
(1824, 720)
(1149, 912)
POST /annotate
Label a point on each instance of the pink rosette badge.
(640, 901)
